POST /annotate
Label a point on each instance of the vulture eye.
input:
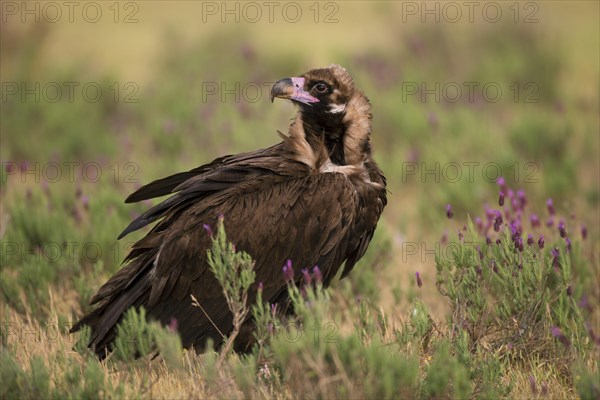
(320, 88)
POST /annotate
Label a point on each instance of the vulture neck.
(339, 139)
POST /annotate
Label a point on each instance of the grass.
(459, 334)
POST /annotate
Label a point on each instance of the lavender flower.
(306, 276)
(488, 240)
(569, 291)
(501, 199)
(479, 224)
(317, 274)
(555, 252)
(530, 240)
(584, 232)
(550, 206)
(449, 212)
(460, 235)
(419, 281)
(208, 229)
(541, 242)
(568, 246)
(498, 221)
(561, 229)
(535, 220)
(288, 271)
(550, 222)
(558, 334)
(522, 198)
(501, 182)
(519, 243)
(261, 286)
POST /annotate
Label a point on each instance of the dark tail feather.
(103, 321)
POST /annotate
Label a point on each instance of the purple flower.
(569, 291)
(535, 220)
(530, 240)
(555, 252)
(558, 334)
(306, 276)
(419, 281)
(519, 243)
(541, 242)
(522, 198)
(568, 241)
(490, 214)
(498, 221)
(501, 199)
(260, 286)
(550, 206)
(515, 204)
(288, 271)
(583, 232)
(449, 212)
(488, 240)
(460, 235)
(479, 224)
(208, 229)
(498, 241)
(550, 222)
(561, 229)
(317, 274)
(501, 182)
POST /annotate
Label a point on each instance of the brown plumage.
(315, 199)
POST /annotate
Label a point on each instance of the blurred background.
(99, 98)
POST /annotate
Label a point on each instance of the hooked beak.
(293, 89)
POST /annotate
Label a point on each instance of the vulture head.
(330, 109)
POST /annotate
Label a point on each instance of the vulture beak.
(293, 89)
